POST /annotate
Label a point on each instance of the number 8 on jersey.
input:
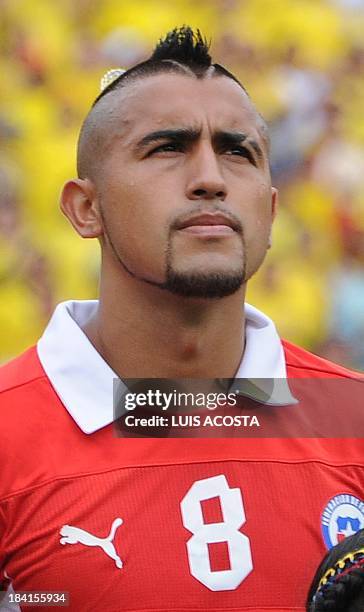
(232, 508)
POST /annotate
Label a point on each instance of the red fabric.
(54, 475)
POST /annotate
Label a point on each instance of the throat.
(159, 345)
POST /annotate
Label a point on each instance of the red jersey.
(177, 525)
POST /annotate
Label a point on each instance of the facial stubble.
(202, 285)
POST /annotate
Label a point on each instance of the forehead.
(160, 101)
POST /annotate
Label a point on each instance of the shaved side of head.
(96, 129)
(89, 142)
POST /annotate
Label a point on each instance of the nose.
(205, 180)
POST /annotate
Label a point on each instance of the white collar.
(84, 381)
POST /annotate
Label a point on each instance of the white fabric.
(84, 381)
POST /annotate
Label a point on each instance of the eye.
(168, 147)
(241, 152)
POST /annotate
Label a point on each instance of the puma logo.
(75, 535)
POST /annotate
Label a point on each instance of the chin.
(206, 284)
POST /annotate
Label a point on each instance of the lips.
(209, 221)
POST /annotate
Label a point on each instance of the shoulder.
(301, 363)
(24, 395)
(31, 422)
(21, 371)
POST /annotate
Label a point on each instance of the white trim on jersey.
(84, 381)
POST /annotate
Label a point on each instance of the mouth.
(209, 225)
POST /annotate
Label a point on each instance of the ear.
(79, 204)
(274, 202)
(274, 208)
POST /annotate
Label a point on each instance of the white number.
(232, 508)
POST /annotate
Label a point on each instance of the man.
(173, 179)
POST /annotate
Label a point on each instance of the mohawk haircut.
(181, 51)
(185, 46)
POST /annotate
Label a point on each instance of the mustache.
(202, 210)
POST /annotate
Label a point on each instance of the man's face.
(184, 185)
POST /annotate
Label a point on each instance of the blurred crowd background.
(302, 62)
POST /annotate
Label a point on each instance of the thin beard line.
(120, 260)
(168, 252)
(116, 254)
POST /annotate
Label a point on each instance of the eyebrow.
(187, 135)
(190, 135)
(236, 139)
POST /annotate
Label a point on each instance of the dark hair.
(338, 585)
(183, 51)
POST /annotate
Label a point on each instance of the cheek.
(137, 228)
(125, 202)
(258, 215)
(257, 226)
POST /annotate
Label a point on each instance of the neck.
(144, 332)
